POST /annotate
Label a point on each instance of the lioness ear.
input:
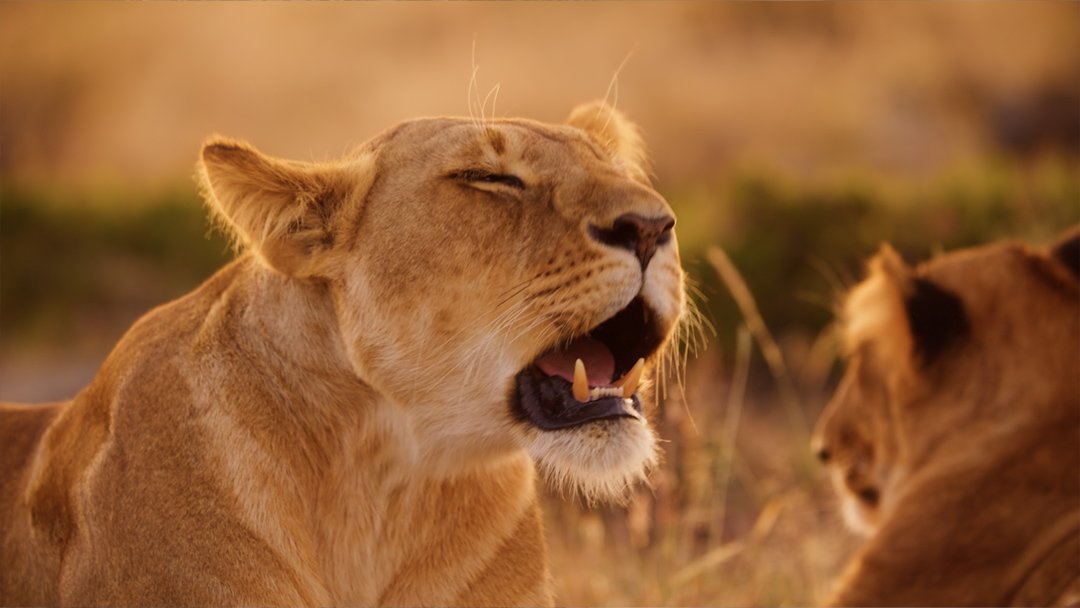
(1067, 250)
(873, 312)
(936, 317)
(615, 134)
(908, 316)
(284, 211)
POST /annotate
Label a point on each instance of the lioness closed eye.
(954, 436)
(345, 414)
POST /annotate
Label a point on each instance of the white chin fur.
(857, 517)
(599, 461)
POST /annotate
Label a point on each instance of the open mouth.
(594, 377)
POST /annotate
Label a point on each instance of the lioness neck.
(258, 423)
(377, 525)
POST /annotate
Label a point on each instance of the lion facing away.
(953, 438)
(350, 412)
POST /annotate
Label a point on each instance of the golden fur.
(325, 420)
(953, 438)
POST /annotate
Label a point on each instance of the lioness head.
(982, 342)
(498, 282)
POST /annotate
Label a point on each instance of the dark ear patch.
(937, 319)
(1067, 251)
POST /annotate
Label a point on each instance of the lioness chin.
(954, 437)
(350, 412)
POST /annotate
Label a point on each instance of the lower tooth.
(604, 391)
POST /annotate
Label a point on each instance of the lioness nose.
(641, 235)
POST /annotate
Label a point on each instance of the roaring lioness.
(350, 412)
(954, 436)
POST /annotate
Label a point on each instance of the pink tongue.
(599, 362)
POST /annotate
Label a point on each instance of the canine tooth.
(630, 381)
(581, 382)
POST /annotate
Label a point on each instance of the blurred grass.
(76, 269)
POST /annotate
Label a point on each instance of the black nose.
(642, 235)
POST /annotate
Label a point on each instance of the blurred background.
(796, 137)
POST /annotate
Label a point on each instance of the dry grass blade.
(736, 398)
(706, 562)
(733, 411)
(765, 522)
(733, 280)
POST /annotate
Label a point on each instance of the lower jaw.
(859, 517)
(548, 403)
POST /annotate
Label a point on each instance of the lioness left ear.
(284, 211)
(615, 134)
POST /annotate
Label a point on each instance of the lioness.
(954, 436)
(345, 414)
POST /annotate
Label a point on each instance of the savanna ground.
(795, 137)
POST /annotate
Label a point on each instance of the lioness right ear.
(1067, 250)
(616, 134)
(284, 211)
(910, 316)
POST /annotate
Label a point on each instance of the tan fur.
(326, 420)
(974, 456)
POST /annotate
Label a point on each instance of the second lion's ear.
(934, 317)
(906, 318)
(283, 211)
(1067, 250)
(616, 134)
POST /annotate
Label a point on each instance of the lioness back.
(954, 437)
(354, 410)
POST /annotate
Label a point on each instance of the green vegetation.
(799, 246)
(71, 263)
(68, 262)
